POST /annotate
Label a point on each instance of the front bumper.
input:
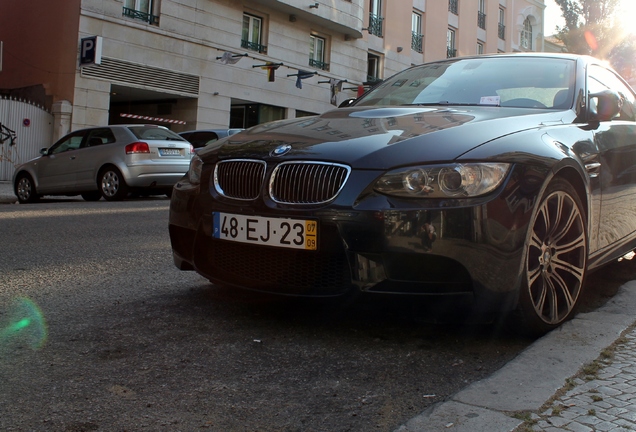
(374, 245)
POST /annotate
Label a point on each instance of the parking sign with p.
(90, 50)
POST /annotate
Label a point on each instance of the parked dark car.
(107, 161)
(505, 178)
(203, 137)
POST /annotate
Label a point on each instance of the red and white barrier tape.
(154, 119)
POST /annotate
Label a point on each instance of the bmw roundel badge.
(281, 150)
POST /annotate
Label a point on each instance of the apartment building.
(191, 64)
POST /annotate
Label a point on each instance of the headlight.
(443, 181)
(194, 172)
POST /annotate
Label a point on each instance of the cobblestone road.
(601, 398)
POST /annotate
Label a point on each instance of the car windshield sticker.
(490, 100)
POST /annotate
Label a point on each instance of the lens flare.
(25, 325)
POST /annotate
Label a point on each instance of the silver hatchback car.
(108, 161)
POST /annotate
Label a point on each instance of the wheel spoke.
(562, 287)
(578, 242)
(551, 298)
(570, 268)
(533, 275)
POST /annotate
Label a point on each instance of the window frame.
(416, 32)
(525, 38)
(375, 18)
(319, 61)
(133, 9)
(501, 24)
(249, 42)
(373, 73)
(481, 14)
(451, 39)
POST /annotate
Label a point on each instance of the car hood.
(381, 138)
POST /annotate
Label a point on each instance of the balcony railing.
(481, 20)
(143, 16)
(501, 31)
(372, 80)
(451, 52)
(375, 24)
(416, 42)
(453, 6)
(253, 46)
(318, 64)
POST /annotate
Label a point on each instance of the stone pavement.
(602, 398)
(580, 377)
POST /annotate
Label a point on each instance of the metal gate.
(24, 130)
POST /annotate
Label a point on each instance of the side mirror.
(345, 103)
(608, 105)
(44, 151)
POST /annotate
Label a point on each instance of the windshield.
(154, 133)
(535, 82)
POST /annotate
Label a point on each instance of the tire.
(112, 185)
(91, 196)
(555, 262)
(25, 190)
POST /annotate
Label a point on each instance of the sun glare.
(626, 15)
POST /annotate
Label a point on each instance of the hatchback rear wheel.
(112, 185)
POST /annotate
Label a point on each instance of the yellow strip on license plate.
(279, 232)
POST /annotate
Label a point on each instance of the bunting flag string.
(270, 68)
(229, 58)
(301, 75)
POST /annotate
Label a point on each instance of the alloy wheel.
(110, 183)
(556, 258)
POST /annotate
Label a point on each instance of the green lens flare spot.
(24, 325)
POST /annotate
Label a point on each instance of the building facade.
(193, 64)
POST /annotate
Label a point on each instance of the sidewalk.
(6, 193)
(566, 381)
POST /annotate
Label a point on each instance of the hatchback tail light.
(191, 149)
(137, 147)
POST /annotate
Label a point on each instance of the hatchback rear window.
(154, 133)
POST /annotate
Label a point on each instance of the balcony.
(375, 25)
(138, 15)
(481, 20)
(372, 80)
(501, 31)
(253, 46)
(319, 64)
(453, 6)
(416, 42)
(345, 17)
(451, 52)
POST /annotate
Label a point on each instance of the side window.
(602, 79)
(99, 137)
(69, 142)
(200, 139)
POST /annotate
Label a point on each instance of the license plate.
(169, 152)
(279, 232)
